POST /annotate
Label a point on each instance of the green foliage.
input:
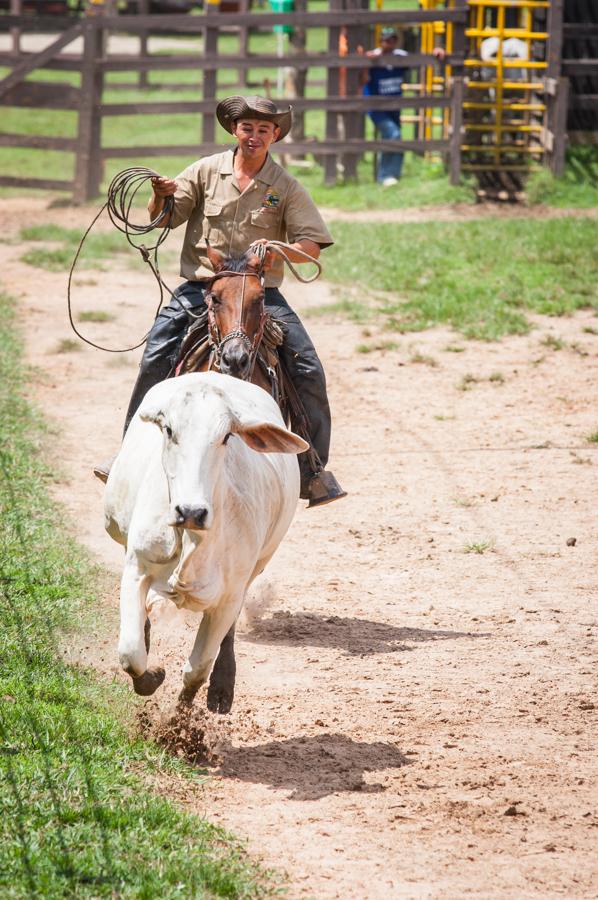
(577, 188)
(77, 821)
(477, 547)
(480, 277)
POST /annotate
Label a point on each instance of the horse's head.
(236, 314)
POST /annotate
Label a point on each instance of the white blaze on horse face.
(193, 457)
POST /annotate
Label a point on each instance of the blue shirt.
(386, 81)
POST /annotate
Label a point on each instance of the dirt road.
(416, 709)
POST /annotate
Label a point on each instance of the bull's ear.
(268, 438)
(216, 258)
(159, 398)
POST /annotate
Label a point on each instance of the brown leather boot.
(102, 471)
(322, 488)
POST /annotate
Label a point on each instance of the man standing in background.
(386, 80)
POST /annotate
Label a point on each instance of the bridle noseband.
(217, 343)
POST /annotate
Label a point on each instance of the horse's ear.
(216, 258)
(259, 263)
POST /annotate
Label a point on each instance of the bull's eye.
(226, 437)
(168, 431)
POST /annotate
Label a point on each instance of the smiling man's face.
(255, 136)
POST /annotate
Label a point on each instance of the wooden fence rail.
(344, 138)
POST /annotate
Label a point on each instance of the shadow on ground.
(357, 637)
(312, 767)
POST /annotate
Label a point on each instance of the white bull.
(200, 514)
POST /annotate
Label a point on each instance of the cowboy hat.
(232, 109)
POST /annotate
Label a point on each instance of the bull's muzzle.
(192, 517)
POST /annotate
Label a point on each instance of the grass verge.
(479, 277)
(77, 821)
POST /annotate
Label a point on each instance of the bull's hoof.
(187, 696)
(149, 682)
(220, 698)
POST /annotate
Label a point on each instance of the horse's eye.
(168, 431)
(226, 437)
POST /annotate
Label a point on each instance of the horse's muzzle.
(235, 360)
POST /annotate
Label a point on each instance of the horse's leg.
(133, 642)
(221, 689)
(215, 626)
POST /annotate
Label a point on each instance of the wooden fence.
(344, 113)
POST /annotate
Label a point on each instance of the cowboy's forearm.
(162, 188)
(306, 246)
(155, 207)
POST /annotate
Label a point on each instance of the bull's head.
(198, 419)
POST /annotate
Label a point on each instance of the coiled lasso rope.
(121, 196)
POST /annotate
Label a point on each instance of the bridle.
(217, 343)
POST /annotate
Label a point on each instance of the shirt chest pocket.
(212, 225)
(266, 222)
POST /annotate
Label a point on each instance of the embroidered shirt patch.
(271, 200)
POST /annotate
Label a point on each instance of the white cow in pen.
(200, 514)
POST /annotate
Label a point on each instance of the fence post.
(557, 92)
(88, 174)
(558, 123)
(456, 127)
(16, 9)
(353, 122)
(457, 97)
(144, 9)
(330, 159)
(210, 76)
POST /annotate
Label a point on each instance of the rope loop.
(121, 196)
(280, 248)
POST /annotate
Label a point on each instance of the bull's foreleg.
(215, 626)
(133, 645)
(221, 689)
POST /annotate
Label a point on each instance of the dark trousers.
(298, 353)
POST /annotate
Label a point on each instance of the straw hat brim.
(232, 109)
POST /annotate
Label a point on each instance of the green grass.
(479, 547)
(76, 819)
(577, 188)
(479, 277)
(67, 345)
(95, 315)
(98, 247)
